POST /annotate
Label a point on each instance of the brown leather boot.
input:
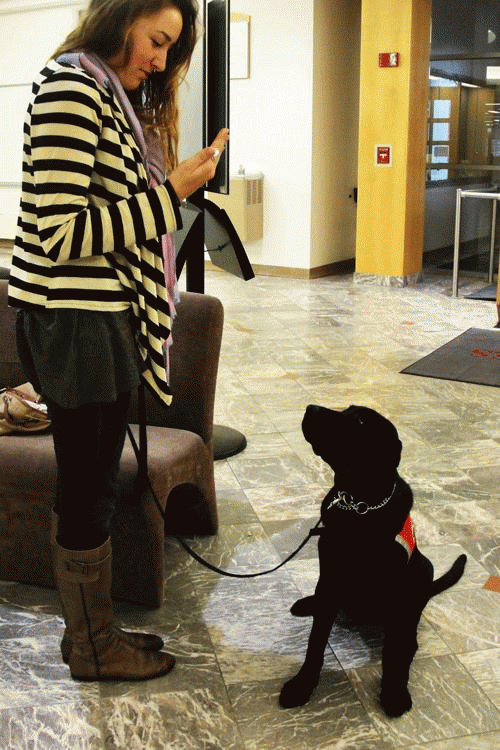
(147, 641)
(98, 651)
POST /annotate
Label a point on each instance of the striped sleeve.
(66, 132)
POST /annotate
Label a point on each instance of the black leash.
(313, 532)
(144, 481)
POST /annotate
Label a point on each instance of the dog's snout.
(312, 409)
(310, 420)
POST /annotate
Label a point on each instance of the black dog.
(370, 567)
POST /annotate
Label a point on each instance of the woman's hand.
(199, 169)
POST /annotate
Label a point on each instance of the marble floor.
(288, 343)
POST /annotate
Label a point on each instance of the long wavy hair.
(104, 29)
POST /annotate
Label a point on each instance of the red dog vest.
(406, 536)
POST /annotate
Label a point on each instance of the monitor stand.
(226, 440)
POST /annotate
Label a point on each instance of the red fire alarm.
(388, 60)
(383, 156)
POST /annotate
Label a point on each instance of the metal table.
(491, 195)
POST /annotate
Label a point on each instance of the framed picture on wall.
(239, 65)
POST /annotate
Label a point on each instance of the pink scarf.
(151, 152)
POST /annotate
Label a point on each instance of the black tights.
(88, 443)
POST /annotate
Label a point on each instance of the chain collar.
(345, 501)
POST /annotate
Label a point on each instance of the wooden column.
(393, 112)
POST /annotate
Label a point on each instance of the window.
(463, 143)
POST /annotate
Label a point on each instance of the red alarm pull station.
(383, 156)
(388, 60)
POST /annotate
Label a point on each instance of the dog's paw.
(296, 692)
(303, 607)
(396, 702)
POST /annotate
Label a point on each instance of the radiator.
(244, 205)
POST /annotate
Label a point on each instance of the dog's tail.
(451, 577)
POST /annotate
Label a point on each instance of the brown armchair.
(180, 464)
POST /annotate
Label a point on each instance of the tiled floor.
(287, 344)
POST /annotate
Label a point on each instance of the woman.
(92, 278)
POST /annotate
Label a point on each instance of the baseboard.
(286, 272)
(339, 268)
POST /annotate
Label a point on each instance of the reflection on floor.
(288, 343)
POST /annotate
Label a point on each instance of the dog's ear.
(398, 447)
(393, 444)
(384, 455)
(381, 436)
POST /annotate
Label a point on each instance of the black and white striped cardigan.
(89, 225)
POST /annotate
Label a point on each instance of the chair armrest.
(194, 360)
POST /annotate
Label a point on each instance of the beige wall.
(296, 121)
(337, 30)
(271, 127)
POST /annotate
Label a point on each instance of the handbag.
(22, 410)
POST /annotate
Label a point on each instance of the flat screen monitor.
(216, 88)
